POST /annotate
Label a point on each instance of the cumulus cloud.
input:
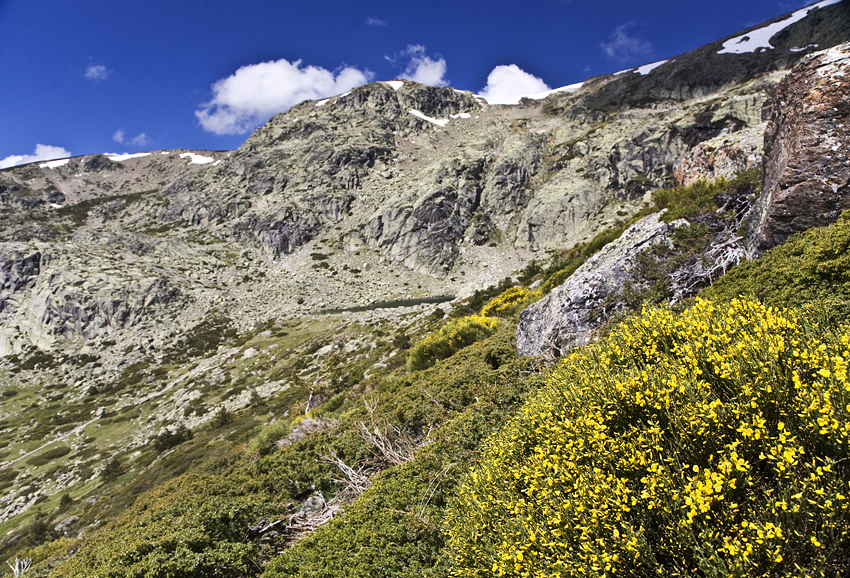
(256, 92)
(375, 22)
(42, 153)
(506, 83)
(97, 72)
(622, 47)
(419, 67)
(119, 136)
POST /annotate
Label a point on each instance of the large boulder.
(807, 162)
(567, 316)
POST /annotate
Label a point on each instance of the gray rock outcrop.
(807, 151)
(567, 316)
(722, 156)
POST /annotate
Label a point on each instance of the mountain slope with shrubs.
(286, 385)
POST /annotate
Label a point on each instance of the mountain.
(173, 320)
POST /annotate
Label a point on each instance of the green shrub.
(168, 439)
(222, 417)
(194, 526)
(112, 471)
(812, 267)
(265, 442)
(509, 302)
(713, 443)
(448, 340)
(686, 201)
(48, 456)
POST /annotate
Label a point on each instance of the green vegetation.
(49, 455)
(449, 339)
(365, 456)
(687, 201)
(812, 267)
(711, 443)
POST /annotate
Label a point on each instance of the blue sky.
(93, 76)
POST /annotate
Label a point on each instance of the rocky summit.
(172, 315)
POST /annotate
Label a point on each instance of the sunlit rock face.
(807, 156)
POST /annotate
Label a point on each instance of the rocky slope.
(163, 286)
(806, 179)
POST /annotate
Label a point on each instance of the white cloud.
(506, 83)
(42, 153)
(375, 22)
(120, 136)
(623, 47)
(140, 140)
(256, 92)
(97, 72)
(420, 67)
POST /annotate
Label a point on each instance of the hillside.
(285, 359)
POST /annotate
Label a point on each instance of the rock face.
(807, 151)
(392, 191)
(722, 156)
(566, 317)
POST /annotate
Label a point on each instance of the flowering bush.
(710, 443)
(448, 340)
(508, 302)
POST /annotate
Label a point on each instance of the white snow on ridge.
(760, 38)
(536, 96)
(395, 84)
(54, 164)
(461, 115)
(647, 68)
(437, 121)
(323, 102)
(195, 159)
(126, 156)
(795, 49)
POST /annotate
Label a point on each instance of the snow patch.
(536, 96)
(647, 68)
(437, 121)
(54, 164)
(216, 163)
(461, 115)
(795, 49)
(164, 153)
(323, 102)
(195, 159)
(760, 38)
(125, 156)
(55, 206)
(395, 84)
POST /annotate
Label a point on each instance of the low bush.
(169, 439)
(686, 201)
(448, 340)
(509, 302)
(714, 443)
(194, 526)
(48, 456)
(812, 267)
